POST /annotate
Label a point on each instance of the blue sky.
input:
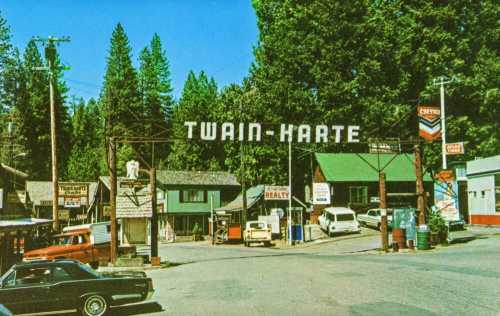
(214, 36)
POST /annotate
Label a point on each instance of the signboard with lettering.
(73, 189)
(429, 122)
(321, 193)
(455, 148)
(284, 133)
(72, 202)
(276, 193)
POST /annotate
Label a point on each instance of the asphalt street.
(340, 277)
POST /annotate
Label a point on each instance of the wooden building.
(353, 180)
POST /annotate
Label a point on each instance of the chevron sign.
(429, 122)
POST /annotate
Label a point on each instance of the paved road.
(328, 279)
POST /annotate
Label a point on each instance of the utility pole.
(112, 198)
(420, 185)
(243, 180)
(290, 191)
(383, 213)
(50, 55)
(441, 82)
(154, 215)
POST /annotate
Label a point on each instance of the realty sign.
(455, 148)
(276, 193)
(429, 122)
(321, 193)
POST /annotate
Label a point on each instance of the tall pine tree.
(156, 93)
(120, 97)
(122, 108)
(86, 154)
(198, 104)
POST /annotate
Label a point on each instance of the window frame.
(183, 200)
(364, 194)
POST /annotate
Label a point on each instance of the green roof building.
(353, 179)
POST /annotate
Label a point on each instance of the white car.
(373, 218)
(339, 220)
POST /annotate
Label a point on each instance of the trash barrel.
(399, 237)
(296, 232)
(423, 239)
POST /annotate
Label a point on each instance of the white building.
(484, 190)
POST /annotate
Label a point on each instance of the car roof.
(39, 263)
(339, 210)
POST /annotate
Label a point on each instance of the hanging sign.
(455, 148)
(429, 122)
(284, 133)
(276, 193)
(321, 193)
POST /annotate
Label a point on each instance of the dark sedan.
(68, 285)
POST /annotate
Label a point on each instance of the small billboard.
(276, 193)
(321, 193)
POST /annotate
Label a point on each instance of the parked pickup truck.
(257, 231)
(373, 219)
(66, 286)
(87, 243)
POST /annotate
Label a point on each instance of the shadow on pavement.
(136, 309)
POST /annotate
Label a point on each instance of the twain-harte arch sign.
(284, 133)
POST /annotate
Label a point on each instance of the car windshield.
(88, 269)
(258, 225)
(345, 217)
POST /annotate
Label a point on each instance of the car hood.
(51, 250)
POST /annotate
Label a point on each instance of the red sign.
(455, 149)
(272, 192)
(429, 122)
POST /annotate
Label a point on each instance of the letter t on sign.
(190, 126)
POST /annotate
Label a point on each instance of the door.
(26, 290)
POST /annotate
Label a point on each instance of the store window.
(358, 195)
(193, 196)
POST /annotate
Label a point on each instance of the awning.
(22, 223)
(254, 194)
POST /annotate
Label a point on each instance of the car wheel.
(94, 265)
(94, 305)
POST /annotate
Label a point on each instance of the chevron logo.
(429, 122)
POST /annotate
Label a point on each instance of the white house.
(484, 190)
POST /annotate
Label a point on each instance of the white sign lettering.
(257, 132)
(321, 193)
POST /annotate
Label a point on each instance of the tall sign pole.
(441, 82)
(290, 191)
(244, 210)
(50, 54)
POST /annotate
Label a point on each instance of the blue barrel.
(296, 232)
